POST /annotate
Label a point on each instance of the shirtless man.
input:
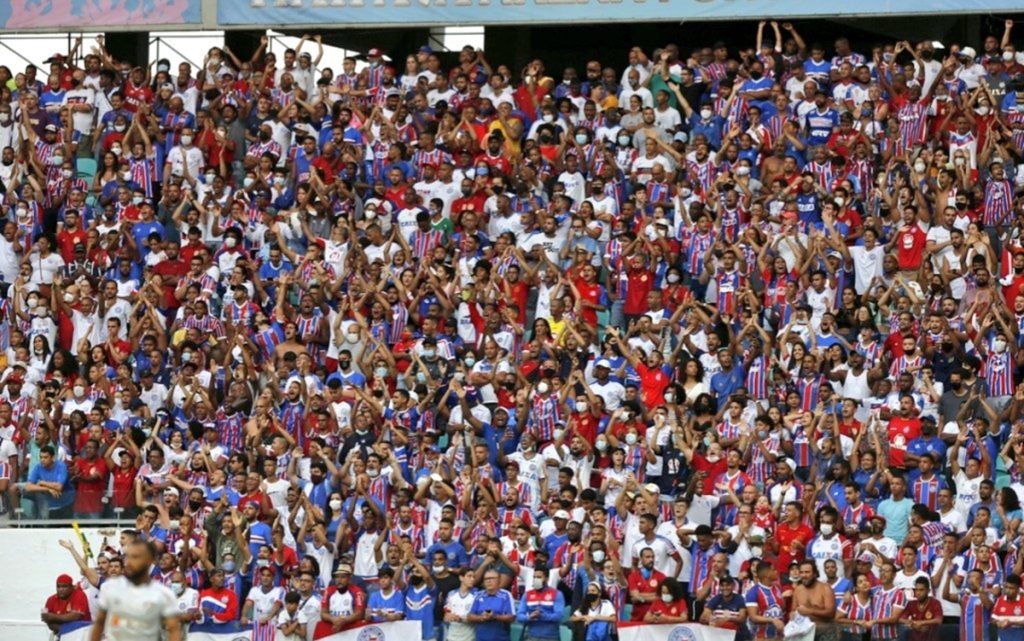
(817, 601)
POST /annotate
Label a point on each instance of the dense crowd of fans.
(708, 334)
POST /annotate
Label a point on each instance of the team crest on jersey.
(244, 638)
(682, 633)
(371, 633)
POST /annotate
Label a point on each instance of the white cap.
(790, 463)
(969, 52)
(561, 514)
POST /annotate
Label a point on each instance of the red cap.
(65, 579)
(320, 242)
(16, 378)
(375, 53)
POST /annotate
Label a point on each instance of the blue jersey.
(419, 606)
(379, 605)
(820, 125)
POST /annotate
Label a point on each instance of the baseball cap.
(374, 53)
(65, 579)
(51, 128)
(968, 52)
(561, 514)
(604, 362)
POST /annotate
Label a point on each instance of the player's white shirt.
(263, 602)
(135, 612)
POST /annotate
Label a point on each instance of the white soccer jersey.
(135, 612)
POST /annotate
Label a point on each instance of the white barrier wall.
(31, 560)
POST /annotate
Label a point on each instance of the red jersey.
(901, 432)
(76, 602)
(88, 492)
(592, 293)
(792, 544)
(910, 247)
(135, 96)
(637, 581)
(640, 282)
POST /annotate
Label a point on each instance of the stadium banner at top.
(97, 15)
(339, 13)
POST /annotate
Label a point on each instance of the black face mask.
(416, 579)
(755, 75)
(195, 505)
(960, 205)
(264, 136)
(467, 192)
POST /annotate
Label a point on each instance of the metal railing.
(20, 521)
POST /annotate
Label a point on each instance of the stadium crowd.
(712, 333)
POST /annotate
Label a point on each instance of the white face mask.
(32, 302)
(757, 552)
(542, 388)
(672, 278)
(209, 178)
(548, 117)
(230, 242)
(630, 439)
(137, 200)
(186, 140)
(438, 569)
(998, 346)
(68, 297)
(538, 584)
(1007, 56)
(335, 505)
(178, 588)
(826, 529)
(685, 192)
(743, 170)
(705, 114)
(601, 445)
(79, 390)
(598, 556)
(982, 110)
(117, 152)
(919, 167)
(666, 598)
(840, 201)
(236, 353)
(581, 406)
(119, 128)
(58, 160)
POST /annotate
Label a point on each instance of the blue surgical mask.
(229, 566)
(470, 361)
